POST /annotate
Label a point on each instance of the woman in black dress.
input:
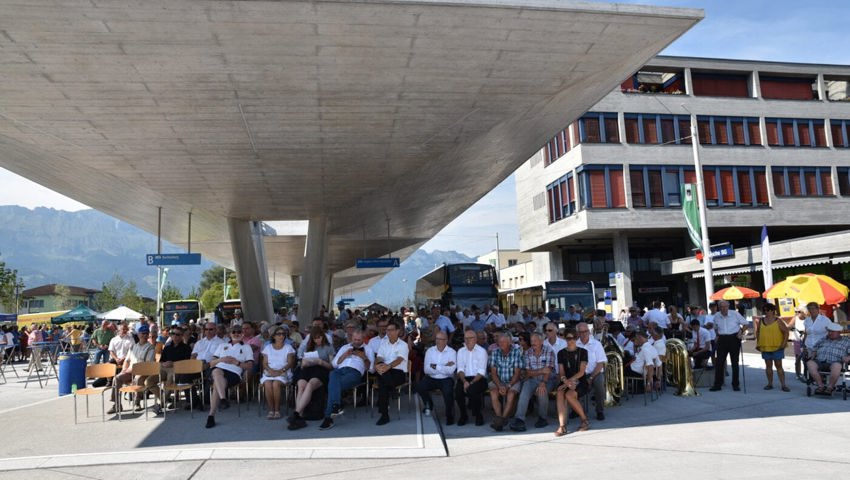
(572, 362)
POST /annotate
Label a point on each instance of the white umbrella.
(120, 314)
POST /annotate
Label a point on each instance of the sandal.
(828, 391)
(584, 426)
(276, 415)
(820, 390)
(270, 416)
(561, 431)
(785, 388)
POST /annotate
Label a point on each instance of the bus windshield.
(185, 310)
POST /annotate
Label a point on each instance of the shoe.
(517, 425)
(327, 424)
(462, 421)
(426, 412)
(297, 424)
(157, 410)
(336, 410)
(171, 405)
(385, 419)
(450, 421)
(737, 389)
(139, 408)
(541, 423)
(225, 404)
(768, 387)
(210, 421)
(785, 388)
(714, 389)
(802, 378)
(479, 420)
(270, 416)
(600, 416)
(113, 410)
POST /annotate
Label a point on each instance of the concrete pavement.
(723, 434)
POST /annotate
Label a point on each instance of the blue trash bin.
(72, 372)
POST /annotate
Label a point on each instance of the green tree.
(211, 276)
(10, 286)
(170, 292)
(118, 291)
(195, 293)
(212, 297)
(63, 297)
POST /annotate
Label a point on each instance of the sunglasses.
(570, 337)
(279, 333)
(238, 332)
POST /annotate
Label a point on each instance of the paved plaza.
(760, 434)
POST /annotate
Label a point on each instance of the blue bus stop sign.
(157, 259)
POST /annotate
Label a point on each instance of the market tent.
(120, 314)
(81, 313)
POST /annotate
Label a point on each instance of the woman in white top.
(278, 360)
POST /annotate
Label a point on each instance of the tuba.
(614, 375)
(678, 367)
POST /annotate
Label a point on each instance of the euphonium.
(614, 379)
(679, 368)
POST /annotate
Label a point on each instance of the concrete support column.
(689, 83)
(822, 91)
(622, 265)
(249, 255)
(755, 84)
(315, 261)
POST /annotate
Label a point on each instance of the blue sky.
(777, 30)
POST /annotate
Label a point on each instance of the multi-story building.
(603, 195)
(53, 297)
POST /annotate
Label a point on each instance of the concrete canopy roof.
(359, 111)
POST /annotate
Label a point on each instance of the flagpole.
(706, 246)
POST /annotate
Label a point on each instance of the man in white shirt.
(441, 321)
(471, 378)
(514, 316)
(709, 317)
(207, 345)
(375, 342)
(656, 315)
(659, 341)
(139, 352)
(815, 326)
(350, 364)
(391, 367)
(228, 363)
(731, 328)
(556, 344)
(701, 344)
(439, 366)
(496, 320)
(595, 372)
(646, 359)
(120, 345)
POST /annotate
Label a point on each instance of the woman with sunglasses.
(572, 362)
(278, 359)
(771, 338)
(315, 368)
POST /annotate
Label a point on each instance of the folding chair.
(185, 367)
(408, 384)
(641, 381)
(140, 369)
(101, 370)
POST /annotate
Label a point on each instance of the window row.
(651, 128)
(840, 129)
(722, 84)
(603, 186)
(716, 130)
(795, 132)
(802, 182)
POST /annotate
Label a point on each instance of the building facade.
(603, 195)
(53, 297)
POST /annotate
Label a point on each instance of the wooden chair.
(140, 369)
(185, 367)
(101, 370)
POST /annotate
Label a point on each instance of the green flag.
(690, 208)
(226, 291)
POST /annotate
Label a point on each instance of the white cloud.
(17, 190)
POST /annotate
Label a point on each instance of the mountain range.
(86, 248)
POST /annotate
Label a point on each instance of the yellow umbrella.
(734, 293)
(809, 287)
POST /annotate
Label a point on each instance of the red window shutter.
(761, 188)
(650, 130)
(755, 132)
(551, 194)
(612, 130)
(618, 189)
(826, 182)
(571, 194)
(772, 133)
(690, 176)
(779, 183)
(744, 191)
(668, 132)
(788, 133)
(727, 183)
(628, 84)
(837, 137)
(710, 186)
(704, 132)
(550, 152)
(597, 190)
(811, 179)
(632, 133)
(564, 199)
(787, 88)
(591, 130)
(820, 135)
(656, 189)
(796, 184)
(685, 130)
(720, 132)
(720, 85)
(803, 132)
(638, 193)
(738, 132)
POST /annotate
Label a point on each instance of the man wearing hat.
(143, 351)
(829, 355)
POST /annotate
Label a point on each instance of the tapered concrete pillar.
(622, 266)
(249, 254)
(313, 287)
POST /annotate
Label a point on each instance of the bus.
(563, 293)
(225, 312)
(187, 309)
(463, 284)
